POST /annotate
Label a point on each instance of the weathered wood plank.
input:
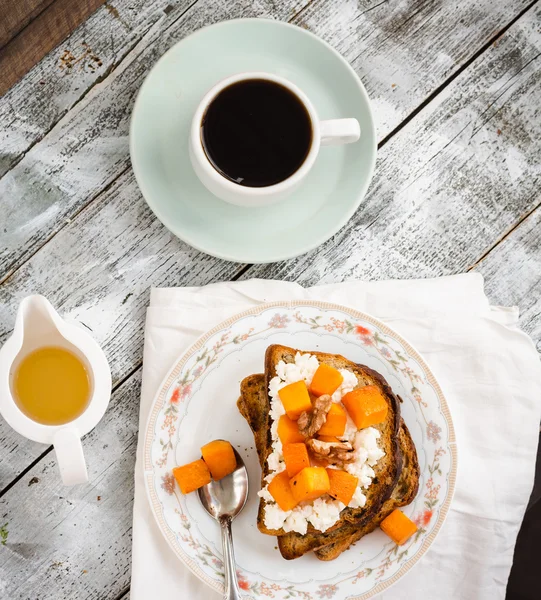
(81, 154)
(32, 107)
(512, 272)
(97, 272)
(450, 183)
(75, 543)
(404, 50)
(45, 94)
(88, 148)
(40, 36)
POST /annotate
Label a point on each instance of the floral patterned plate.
(197, 403)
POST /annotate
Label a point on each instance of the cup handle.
(70, 458)
(336, 132)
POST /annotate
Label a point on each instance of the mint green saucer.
(159, 141)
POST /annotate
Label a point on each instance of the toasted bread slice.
(331, 544)
(254, 404)
(405, 491)
(251, 405)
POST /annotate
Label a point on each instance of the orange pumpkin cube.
(328, 438)
(343, 485)
(192, 476)
(366, 406)
(288, 431)
(398, 527)
(335, 425)
(295, 457)
(220, 458)
(296, 399)
(310, 483)
(279, 489)
(326, 380)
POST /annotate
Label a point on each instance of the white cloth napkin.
(491, 376)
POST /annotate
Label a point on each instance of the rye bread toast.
(254, 404)
(330, 544)
(405, 491)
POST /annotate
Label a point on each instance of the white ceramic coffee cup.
(334, 132)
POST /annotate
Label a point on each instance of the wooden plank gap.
(505, 236)
(127, 376)
(25, 471)
(454, 75)
(123, 594)
(374, 7)
(302, 10)
(241, 272)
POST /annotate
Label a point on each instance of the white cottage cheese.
(348, 385)
(325, 511)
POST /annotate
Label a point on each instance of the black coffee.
(256, 133)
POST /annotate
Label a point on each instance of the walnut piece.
(334, 453)
(310, 423)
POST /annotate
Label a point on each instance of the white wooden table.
(456, 91)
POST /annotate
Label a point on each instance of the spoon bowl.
(223, 500)
(226, 497)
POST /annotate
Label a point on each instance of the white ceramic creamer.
(38, 325)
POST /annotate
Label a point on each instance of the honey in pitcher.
(51, 386)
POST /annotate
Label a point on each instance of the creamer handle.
(70, 457)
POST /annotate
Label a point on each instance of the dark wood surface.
(15, 15)
(29, 29)
(455, 88)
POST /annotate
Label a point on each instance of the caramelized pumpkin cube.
(343, 485)
(326, 380)
(288, 431)
(279, 489)
(220, 458)
(296, 399)
(398, 527)
(335, 425)
(366, 406)
(310, 483)
(295, 457)
(192, 476)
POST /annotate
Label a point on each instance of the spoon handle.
(231, 591)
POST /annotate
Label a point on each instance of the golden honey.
(51, 386)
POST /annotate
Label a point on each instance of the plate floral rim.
(178, 365)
